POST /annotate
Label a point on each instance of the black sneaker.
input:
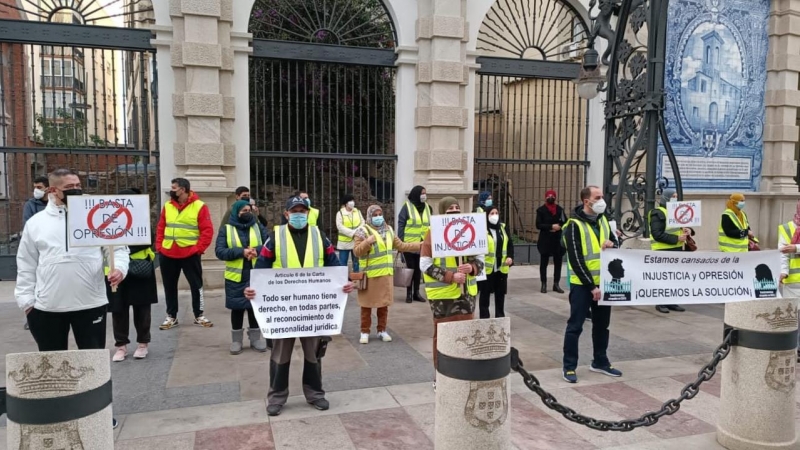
(676, 308)
(320, 404)
(274, 410)
(570, 376)
(662, 309)
(609, 370)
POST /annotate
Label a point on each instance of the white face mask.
(494, 219)
(423, 198)
(38, 194)
(673, 199)
(351, 204)
(599, 207)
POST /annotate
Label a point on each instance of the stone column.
(472, 387)
(60, 400)
(442, 116)
(405, 127)
(757, 401)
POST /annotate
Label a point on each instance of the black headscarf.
(414, 198)
(346, 198)
(489, 224)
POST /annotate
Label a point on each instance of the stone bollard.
(472, 386)
(757, 401)
(59, 400)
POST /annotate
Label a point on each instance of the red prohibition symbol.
(684, 214)
(466, 228)
(98, 231)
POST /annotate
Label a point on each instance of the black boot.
(557, 288)
(544, 288)
(416, 297)
(408, 294)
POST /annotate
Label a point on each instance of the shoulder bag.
(402, 274)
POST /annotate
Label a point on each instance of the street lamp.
(590, 81)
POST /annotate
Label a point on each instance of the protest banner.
(108, 220)
(299, 302)
(459, 235)
(683, 214)
(641, 277)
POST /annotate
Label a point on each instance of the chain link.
(648, 419)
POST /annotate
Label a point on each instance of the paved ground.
(191, 394)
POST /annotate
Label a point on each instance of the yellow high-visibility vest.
(490, 257)
(729, 244)
(656, 245)
(437, 290)
(286, 256)
(592, 245)
(378, 262)
(479, 210)
(182, 226)
(351, 221)
(313, 216)
(233, 269)
(787, 230)
(417, 225)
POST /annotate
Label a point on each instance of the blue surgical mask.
(488, 202)
(740, 205)
(377, 221)
(298, 221)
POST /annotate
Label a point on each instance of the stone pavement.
(191, 394)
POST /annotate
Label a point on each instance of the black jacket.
(574, 245)
(731, 230)
(549, 243)
(234, 292)
(133, 291)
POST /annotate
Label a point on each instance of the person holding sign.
(789, 245)
(586, 234)
(735, 234)
(296, 245)
(238, 244)
(348, 220)
(374, 244)
(450, 283)
(413, 222)
(497, 263)
(667, 239)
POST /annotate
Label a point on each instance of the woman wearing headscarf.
(348, 220)
(450, 283)
(374, 244)
(497, 263)
(665, 239)
(789, 245)
(484, 201)
(412, 224)
(734, 228)
(238, 244)
(550, 219)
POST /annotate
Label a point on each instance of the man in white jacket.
(60, 287)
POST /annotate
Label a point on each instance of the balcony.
(64, 82)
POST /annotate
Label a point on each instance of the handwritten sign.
(108, 220)
(459, 235)
(683, 214)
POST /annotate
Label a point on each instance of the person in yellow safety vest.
(734, 229)
(413, 221)
(374, 245)
(348, 220)
(497, 263)
(296, 245)
(238, 244)
(484, 201)
(450, 285)
(789, 245)
(586, 234)
(663, 238)
(313, 213)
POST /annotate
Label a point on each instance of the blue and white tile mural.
(715, 80)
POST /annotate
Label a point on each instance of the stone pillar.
(757, 401)
(40, 414)
(782, 98)
(472, 387)
(442, 116)
(405, 128)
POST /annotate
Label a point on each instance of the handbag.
(402, 274)
(359, 279)
(140, 268)
(691, 245)
(752, 245)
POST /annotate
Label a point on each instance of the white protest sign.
(108, 220)
(459, 235)
(299, 302)
(683, 214)
(641, 277)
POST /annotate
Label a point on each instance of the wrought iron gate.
(78, 95)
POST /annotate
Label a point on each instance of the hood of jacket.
(192, 198)
(579, 213)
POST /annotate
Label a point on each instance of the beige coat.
(380, 290)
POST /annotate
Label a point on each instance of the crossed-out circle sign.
(684, 214)
(466, 228)
(120, 210)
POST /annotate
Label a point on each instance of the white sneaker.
(384, 336)
(121, 353)
(169, 322)
(364, 338)
(203, 322)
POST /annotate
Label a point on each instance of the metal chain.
(650, 418)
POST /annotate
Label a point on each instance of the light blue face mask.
(740, 205)
(488, 203)
(298, 221)
(377, 221)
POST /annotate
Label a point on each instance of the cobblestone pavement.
(190, 393)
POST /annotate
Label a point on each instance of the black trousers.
(580, 301)
(412, 262)
(121, 324)
(493, 284)
(50, 330)
(279, 361)
(170, 273)
(237, 319)
(557, 263)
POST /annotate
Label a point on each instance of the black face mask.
(453, 212)
(246, 218)
(173, 195)
(551, 200)
(246, 198)
(70, 192)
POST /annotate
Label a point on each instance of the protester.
(184, 233)
(484, 201)
(550, 219)
(586, 234)
(735, 234)
(294, 246)
(313, 213)
(663, 238)
(789, 245)
(445, 279)
(496, 264)
(241, 193)
(238, 244)
(348, 220)
(38, 202)
(138, 291)
(374, 244)
(413, 223)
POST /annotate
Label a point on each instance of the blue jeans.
(580, 300)
(344, 255)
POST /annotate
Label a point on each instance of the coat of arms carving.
(487, 404)
(780, 375)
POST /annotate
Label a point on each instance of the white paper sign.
(299, 302)
(640, 277)
(108, 220)
(683, 214)
(459, 235)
